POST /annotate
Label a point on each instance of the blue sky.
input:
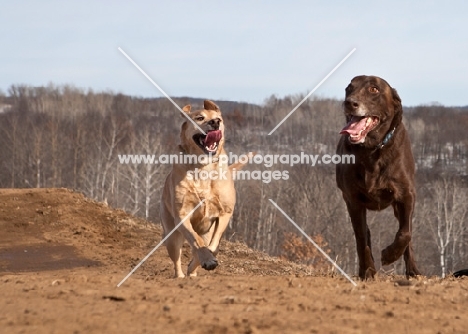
(242, 50)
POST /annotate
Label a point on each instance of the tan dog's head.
(211, 122)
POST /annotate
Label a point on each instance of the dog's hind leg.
(411, 268)
(193, 265)
(215, 237)
(403, 212)
(174, 248)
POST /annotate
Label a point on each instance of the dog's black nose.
(214, 123)
(351, 103)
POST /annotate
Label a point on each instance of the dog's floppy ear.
(210, 105)
(397, 107)
(187, 109)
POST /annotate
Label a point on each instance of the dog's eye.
(373, 90)
(199, 118)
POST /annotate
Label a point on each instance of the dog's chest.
(214, 208)
(377, 199)
(215, 203)
(375, 189)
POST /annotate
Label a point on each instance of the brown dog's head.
(211, 122)
(372, 108)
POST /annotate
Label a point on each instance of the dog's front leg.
(363, 240)
(195, 262)
(202, 255)
(402, 244)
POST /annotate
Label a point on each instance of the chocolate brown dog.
(383, 173)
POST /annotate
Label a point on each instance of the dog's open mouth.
(209, 143)
(358, 127)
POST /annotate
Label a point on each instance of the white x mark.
(313, 90)
(159, 88)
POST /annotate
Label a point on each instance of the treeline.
(68, 137)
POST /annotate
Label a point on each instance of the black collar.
(386, 139)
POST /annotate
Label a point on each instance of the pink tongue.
(355, 125)
(213, 137)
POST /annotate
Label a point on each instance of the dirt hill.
(62, 256)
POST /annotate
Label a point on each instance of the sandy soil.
(62, 256)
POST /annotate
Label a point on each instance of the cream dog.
(183, 191)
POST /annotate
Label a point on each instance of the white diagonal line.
(157, 246)
(313, 90)
(314, 243)
(159, 88)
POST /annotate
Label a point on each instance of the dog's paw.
(192, 268)
(384, 257)
(178, 273)
(370, 273)
(389, 256)
(370, 266)
(210, 265)
(207, 259)
(412, 270)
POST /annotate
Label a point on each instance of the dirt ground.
(62, 256)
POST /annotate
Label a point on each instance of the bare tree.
(445, 211)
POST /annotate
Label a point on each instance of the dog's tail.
(239, 165)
